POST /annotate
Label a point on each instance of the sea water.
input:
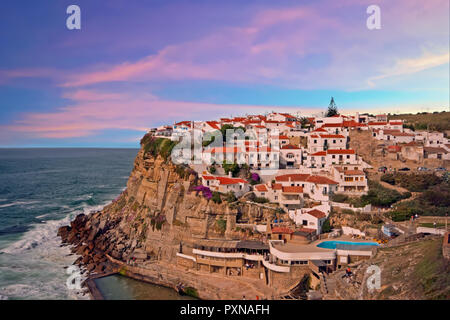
(41, 190)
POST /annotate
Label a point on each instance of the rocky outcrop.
(148, 221)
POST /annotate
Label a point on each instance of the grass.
(432, 272)
(439, 121)
(192, 292)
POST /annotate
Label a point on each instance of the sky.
(137, 64)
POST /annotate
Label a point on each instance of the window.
(348, 156)
(315, 141)
(333, 156)
(334, 141)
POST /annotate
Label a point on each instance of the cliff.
(157, 213)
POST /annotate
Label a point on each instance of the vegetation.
(221, 225)
(206, 192)
(157, 221)
(230, 197)
(332, 109)
(326, 227)
(190, 291)
(157, 146)
(378, 196)
(414, 182)
(260, 200)
(339, 197)
(254, 179)
(433, 202)
(216, 197)
(432, 274)
(231, 167)
(439, 121)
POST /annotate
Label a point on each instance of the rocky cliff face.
(158, 211)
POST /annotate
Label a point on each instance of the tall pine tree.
(332, 109)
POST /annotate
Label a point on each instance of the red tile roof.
(261, 188)
(333, 125)
(338, 151)
(320, 153)
(227, 180)
(317, 213)
(377, 123)
(292, 189)
(340, 136)
(292, 177)
(320, 180)
(354, 173)
(213, 124)
(290, 147)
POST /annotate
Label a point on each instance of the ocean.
(41, 190)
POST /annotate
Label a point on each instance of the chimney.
(230, 175)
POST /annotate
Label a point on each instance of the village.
(300, 166)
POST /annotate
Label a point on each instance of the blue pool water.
(332, 244)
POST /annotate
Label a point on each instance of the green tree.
(332, 109)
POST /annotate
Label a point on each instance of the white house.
(323, 141)
(226, 184)
(351, 179)
(290, 156)
(308, 218)
(325, 159)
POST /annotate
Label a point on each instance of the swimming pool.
(332, 244)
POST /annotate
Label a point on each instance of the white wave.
(18, 203)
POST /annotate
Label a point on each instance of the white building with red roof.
(326, 159)
(289, 197)
(320, 140)
(352, 180)
(290, 156)
(226, 184)
(310, 218)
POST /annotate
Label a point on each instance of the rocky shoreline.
(143, 228)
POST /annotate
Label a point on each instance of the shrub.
(216, 197)
(190, 291)
(230, 197)
(254, 178)
(388, 177)
(206, 192)
(415, 182)
(260, 200)
(339, 197)
(326, 227)
(212, 169)
(233, 168)
(221, 225)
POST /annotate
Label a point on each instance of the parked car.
(422, 169)
(382, 169)
(404, 169)
(440, 169)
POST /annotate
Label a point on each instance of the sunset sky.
(138, 64)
